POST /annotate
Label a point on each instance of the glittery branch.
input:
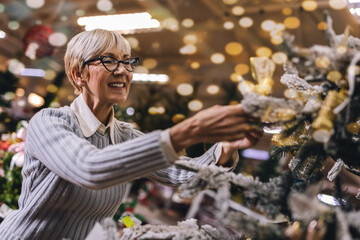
(187, 229)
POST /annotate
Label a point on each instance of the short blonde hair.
(88, 45)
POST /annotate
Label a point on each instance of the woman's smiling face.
(105, 87)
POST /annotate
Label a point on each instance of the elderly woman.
(78, 159)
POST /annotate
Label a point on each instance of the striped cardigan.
(70, 182)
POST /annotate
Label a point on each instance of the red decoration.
(36, 42)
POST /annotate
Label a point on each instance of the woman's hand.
(228, 148)
(215, 124)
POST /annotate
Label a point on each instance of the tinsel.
(327, 101)
(268, 108)
(187, 229)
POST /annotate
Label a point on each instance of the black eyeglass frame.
(125, 62)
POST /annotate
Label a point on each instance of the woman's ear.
(76, 75)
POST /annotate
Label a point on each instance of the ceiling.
(163, 46)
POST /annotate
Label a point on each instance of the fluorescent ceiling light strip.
(143, 77)
(255, 154)
(354, 1)
(32, 72)
(121, 22)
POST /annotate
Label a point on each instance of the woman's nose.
(120, 69)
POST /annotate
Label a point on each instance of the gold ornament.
(262, 69)
(323, 125)
(291, 140)
(334, 76)
(322, 62)
(285, 114)
(294, 231)
(353, 128)
(246, 86)
(316, 230)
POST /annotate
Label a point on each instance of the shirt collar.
(89, 123)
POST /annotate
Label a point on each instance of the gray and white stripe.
(70, 182)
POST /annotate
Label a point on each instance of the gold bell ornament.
(323, 125)
(262, 70)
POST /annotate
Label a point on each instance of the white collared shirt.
(89, 123)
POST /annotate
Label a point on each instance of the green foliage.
(10, 185)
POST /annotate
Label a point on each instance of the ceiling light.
(125, 23)
(32, 72)
(142, 77)
(255, 154)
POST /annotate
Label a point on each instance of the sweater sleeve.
(174, 176)
(52, 140)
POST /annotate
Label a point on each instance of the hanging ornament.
(323, 125)
(353, 128)
(36, 42)
(262, 69)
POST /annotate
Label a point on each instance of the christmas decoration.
(11, 162)
(36, 42)
(321, 119)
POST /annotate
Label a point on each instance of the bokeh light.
(242, 68)
(190, 39)
(217, 58)
(35, 3)
(268, 25)
(292, 22)
(213, 89)
(134, 42)
(309, 5)
(195, 65)
(228, 25)
(188, 50)
(195, 105)
(36, 100)
(279, 58)
(338, 4)
(229, 2)
(263, 52)
(187, 22)
(104, 5)
(57, 39)
(286, 11)
(233, 48)
(185, 89)
(238, 10)
(246, 22)
(150, 63)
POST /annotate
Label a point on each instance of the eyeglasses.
(111, 64)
